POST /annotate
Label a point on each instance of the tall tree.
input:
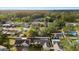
(32, 32)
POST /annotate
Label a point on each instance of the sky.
(39, 3)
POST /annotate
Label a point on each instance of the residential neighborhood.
(39, 30)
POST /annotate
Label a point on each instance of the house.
(72, 23)
(26, 29)
(41, 40)
(6, 25)
(2, 48)
(57, 35)
(22, 45)
(8, 33)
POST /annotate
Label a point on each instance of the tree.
(26, 19)
(4, 40)
(69, 16)
(32, 32)
(17, 19)
(69, 28)
(1, 38)
(46, 31)
(59, 23)
(46, 20)
(3, 18)
(11, 17)
(69, 45)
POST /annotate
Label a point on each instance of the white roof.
(6, 24)
(25, 44)
(2, 48)
(35, 42)
(56, 47)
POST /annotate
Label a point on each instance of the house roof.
(2, 48)
(22, 42)
(38, 38)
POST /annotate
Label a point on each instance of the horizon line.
(39, 8)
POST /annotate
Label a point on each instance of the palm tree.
(46, 19)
